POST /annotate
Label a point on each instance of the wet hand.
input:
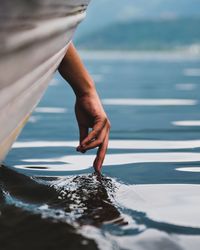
(90, 114)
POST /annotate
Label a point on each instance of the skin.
(93, 123)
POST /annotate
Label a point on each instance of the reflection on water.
(99, 205)
(84, 198)
(149, 102)
(27, 223)
(70, 202)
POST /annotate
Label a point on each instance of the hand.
(90, 114)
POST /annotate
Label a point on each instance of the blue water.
(148, 197)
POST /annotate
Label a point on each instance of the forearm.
(74, 72)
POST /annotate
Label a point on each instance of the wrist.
(85, 89)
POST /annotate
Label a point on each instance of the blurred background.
(140, 25)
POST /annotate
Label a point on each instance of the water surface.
(148, 196)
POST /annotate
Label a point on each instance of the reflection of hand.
(90, 114)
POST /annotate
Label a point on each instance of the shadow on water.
(49, 211)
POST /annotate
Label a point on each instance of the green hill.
(144, 35)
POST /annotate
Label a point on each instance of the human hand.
(90, 114)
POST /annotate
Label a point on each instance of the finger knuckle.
(108, 124)
(95, 132)
(104, 120)
(98, 142)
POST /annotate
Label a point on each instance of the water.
(148, 196)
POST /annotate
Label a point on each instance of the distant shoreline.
(161, 35)
(186, 54)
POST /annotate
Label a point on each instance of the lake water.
(149, 194)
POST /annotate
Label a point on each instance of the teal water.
(148, 196)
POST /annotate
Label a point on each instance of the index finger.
(98, 162)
